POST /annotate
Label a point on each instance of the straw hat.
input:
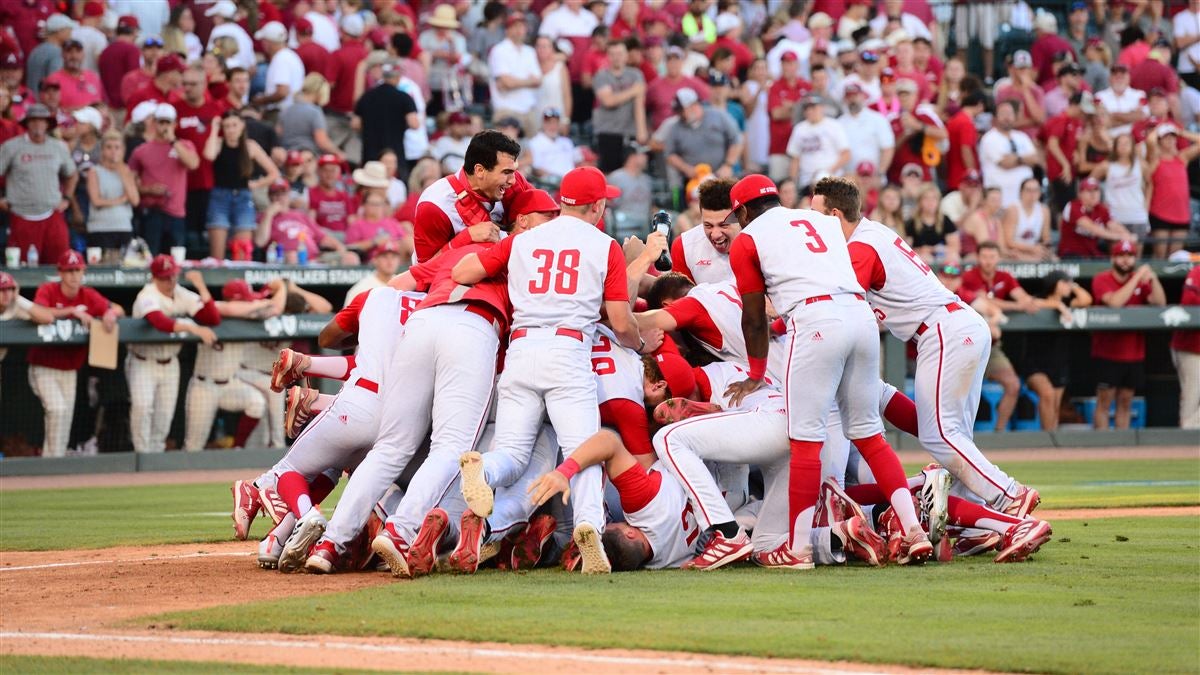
(444, 16)
(372, 175)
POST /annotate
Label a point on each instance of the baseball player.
(560, 276)
(702, 253)
(952, 343)
(799, 257)
(445, 370)
(53, 371)
(13, 306)
(153, 369)
(385, 260)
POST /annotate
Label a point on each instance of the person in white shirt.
(1124, 104)
(570, 20)
(818, 146)
(1186, 28)
(325, 31)
(416, 141)
(893, 10)
(515, 76)
(451, 148)
(285, 74)
(874, 140)
(224, 19)
(89, 35)
(386, 261)
(1007, 156)
(550, 154)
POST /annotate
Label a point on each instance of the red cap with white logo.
(585, 185)
(71, 260)
(747, 190)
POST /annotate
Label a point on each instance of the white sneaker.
(591, 548)
(933, 500)
(269, 550)
(308, 530)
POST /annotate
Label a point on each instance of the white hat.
(372, 175)
(1046, 22)
(352, 25)
(1166, 128)
(143, 111)
(727, 22)
(58, 22)
(272, 32)
(897, 36)
(686, 96)
(90, 116)
(820, 20)
(224, 8)
(164, 111)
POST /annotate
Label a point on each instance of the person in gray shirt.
(39, 173)
(620, 107)
(631, 210)
(703, 135)
(47, 56)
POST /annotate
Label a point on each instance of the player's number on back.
(817, 245)
(563, 266)
(911, 255)
(407, 307)
(603, 365)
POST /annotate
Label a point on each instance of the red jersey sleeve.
(495, 259)
(347, 317)
(423, 273)
(1191, 288)
(867, 266)
(637, 487)
(629, 419)
(1102, 285)
(160, 321)
(743, 258)
(616, 286)
(208, 314)
(678, 260)
(432, 230)
(44, 295)
(691, 316)
(97, 304)
(972, 280)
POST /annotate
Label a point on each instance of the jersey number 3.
(564, 267)
(816, 245)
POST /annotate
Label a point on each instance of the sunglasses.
(951, 270)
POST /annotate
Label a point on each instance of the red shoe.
(299, 410)
(911, 548)
(782, 558)
(528, 545)
(1024, 503)
(719, 552)
(1023, 540)
(465, 558)
(836, 504)
(393, 549)
(975, 544)
(422, 556)
(863, 543)
(288, 368)
(323, 559)
(272, 504)
(571, 559)
(245, 507)
(677, 409)
(943, 552)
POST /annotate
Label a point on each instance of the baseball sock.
(871, 493)
(886, 466)
(320, 487)
(728, 530)
(245, 427)
(293, 488)
(333, 367)
(902, 413)
(804, 482)
(968, 514)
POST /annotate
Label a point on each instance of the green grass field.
(1117, 595)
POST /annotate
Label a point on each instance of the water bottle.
(31, 256)
(302, 250)
(661, 223)
(272, 254)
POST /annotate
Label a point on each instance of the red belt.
(952, 307)
(565, 332)
(161, 362)
(202, 378)
(369, 385)
(486, 311)
(823, 298)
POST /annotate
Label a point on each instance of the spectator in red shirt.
(729, 36)
(121, 56)
(341, 73)
(916, 126)
(168, 74)
(963, 154)
(1185, 351)
(660, 99)
(782, 98)
(196, 111)
(161, 165)
(1118, 356)
(1046, 46)
(1021, 86)
(294, 230)
(314, 57)
(134, 80)
(1087, 223)
(54, 371)
(330, 203)
(12, 71)
(1060, 136)
(1155, 72)
(79, 87)
(1169, 207)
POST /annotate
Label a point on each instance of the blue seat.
(990, 396)
(1033, 423)
(1087, 409)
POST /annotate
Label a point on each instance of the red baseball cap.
(128, 21)
(585, 185)
(278, 186)
(238, 289)
(168, 63)
(677, 372)
(788, 56)
(294, 157)
(93, 9)
(71, 260)
(329, 159)
(1089, 183)
(7, 281)
(303, 26)
(865, 168)
(1124, 247)
(388, 246)
(514, 17)
(532, 201)
(10, 59)
(163, 266)
(747, 190)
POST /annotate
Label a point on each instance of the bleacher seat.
(1086, 405)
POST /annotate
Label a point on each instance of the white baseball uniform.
(694, 256)
(655, 503)
(214, 386)
(18, 309)
(953, 343)
(559, 276)
(152, 370)
(723, 338)
(257, 359)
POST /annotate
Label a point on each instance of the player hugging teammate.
(518, 378)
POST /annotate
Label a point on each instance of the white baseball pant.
(205, 397)
(442, 371)
(56, 389)
(1187, 364)
(546, 373)
(951, 358)
(153, 391)
(269, 432)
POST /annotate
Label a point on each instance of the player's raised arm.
(604, 447)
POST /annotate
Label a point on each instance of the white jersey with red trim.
(618, 369)
(910, 291)
(557, 274)
(381, 321)
(724, 307)
(802, 254)
(722, 374)
(704, 261)
(220, 361)
(667, 522)
(441, 194)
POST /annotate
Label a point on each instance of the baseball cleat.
(933, 502)
(269, 550)
(272, 504)
(977, 542)
(323, 560)
(943, 550)
(720, 551)
(677, 409)
(394, 551)
(571, 559)
(862, 542)
(911, 548)
(288, 368)
(529, 544)
(299, 410)
(1024, 503)
(595, 560)
(422, 556)
(308, 530)
(837, 505)
(783, 558)
(245, 507)
(1023, 540)
(465, 558)
(475, 488)
(491, 550)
